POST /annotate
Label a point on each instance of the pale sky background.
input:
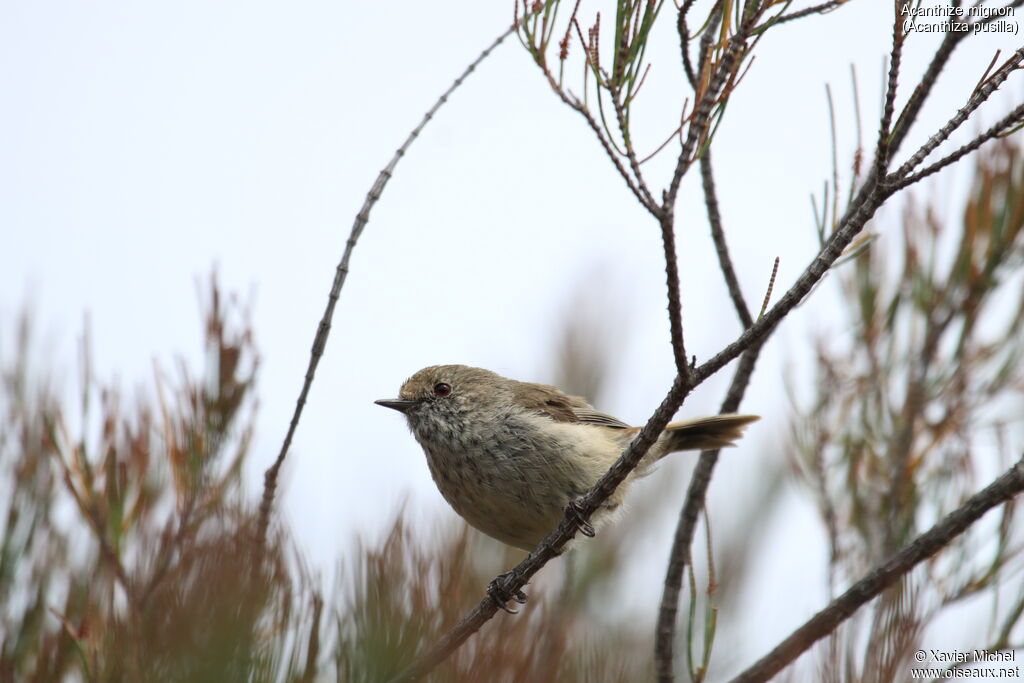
(143, 143)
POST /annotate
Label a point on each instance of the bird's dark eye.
(442, 389)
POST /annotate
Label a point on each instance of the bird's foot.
(575, 510)
(499, 592)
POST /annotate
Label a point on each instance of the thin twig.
(882, 150)
(924, 87)
(675, 305)
(340, 273)
(988, 70)
(684, 42)
(834, 137)
(679, 557)
(977, 98)
(924, 546)
(861, 210)
(574, 103)
(627, 141)
(718, 85)
(859, 152)
(771, 286)
(674, 133)
(1014, 118)
(871, 196)
(823, 8)
(718, 236)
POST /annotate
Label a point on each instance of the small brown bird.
(509, 456)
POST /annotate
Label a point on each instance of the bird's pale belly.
(503, 497)
(511, 487)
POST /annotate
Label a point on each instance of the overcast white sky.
(143, 143)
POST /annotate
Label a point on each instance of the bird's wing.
(591, 416)
(551, 402)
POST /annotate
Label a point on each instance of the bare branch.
(860, 211)
(1014, 118)
(917, 98)
(882, 150)
(718, 236)
(924, 546)
(684, 42)
(874, 192)
(675, 306)
(771, 286)
(702, 114)
(823, 8)
(931, 75)
(340, 273)
(627, 141)
(641, 194)
(977, 98)
(679, 557)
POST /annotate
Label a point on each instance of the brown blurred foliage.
(406, 594)
(912, 413)
(127, 550)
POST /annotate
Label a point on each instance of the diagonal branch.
(924, 87)
(931, 75)
(823, 8)
(705, 105)
(340, 273)
(639, 190)
(627, 141)
(981, 94)
(1014, 118)
(871, 196)
(718, 236)
(924, 546)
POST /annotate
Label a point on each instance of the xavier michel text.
(965, 656)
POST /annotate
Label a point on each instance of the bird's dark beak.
(400, 404)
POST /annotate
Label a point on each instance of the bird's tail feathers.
(705, 433)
